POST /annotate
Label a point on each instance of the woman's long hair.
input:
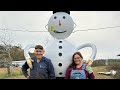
(73, 63)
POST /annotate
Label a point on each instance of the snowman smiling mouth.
(59, 31)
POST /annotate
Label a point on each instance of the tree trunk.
(9, 64)
(9, 70)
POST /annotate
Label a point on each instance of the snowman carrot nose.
(59, 23)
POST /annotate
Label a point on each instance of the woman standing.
(78, 70)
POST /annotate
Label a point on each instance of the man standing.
(42, 68)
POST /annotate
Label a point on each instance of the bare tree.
(6, 39)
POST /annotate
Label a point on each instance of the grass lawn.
(17, 73)
(101, 69)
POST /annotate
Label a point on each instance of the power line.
(93, 29)
(21, 30)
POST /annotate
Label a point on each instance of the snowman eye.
(64, 17)
(55, 17)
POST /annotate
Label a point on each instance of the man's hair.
(39, 47)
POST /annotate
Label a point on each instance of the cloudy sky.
(106, 40)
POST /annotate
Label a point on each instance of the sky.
(106, 40)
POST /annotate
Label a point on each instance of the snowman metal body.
(60, 51)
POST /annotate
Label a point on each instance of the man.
(42, 67)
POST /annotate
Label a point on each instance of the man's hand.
(29, 62)
(89, 69)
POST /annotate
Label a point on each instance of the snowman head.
(60, 25)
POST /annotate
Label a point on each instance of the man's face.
(38, 53)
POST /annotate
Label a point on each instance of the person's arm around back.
(24, 70)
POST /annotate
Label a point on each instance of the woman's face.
(77, 59)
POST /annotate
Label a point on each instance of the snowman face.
(60, 25)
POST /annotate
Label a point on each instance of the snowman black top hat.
(61, 11)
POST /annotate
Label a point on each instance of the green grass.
(101, 69)
(17, 73)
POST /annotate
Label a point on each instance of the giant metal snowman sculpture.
(60, 51)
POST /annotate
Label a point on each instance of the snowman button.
(60, 54)
(60, 64)
(60, 41)
(60, 47)
(60, 73)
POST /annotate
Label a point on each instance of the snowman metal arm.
(27, 56)
(94, 51)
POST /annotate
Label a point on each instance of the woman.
(78, 70)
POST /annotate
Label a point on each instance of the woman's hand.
(89, 69)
